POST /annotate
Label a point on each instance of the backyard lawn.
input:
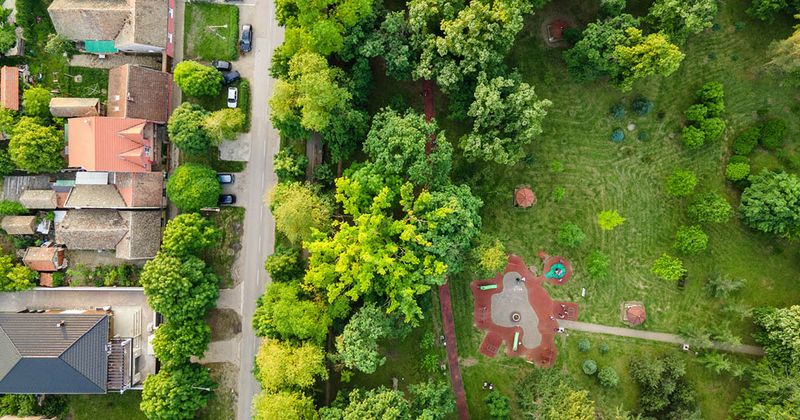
(211, 32)
(108, 406)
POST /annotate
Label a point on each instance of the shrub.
(289, 165)
(643, 135)
(641, 106)
(696, 113)
(693, 137)
(491, 256)
(617, 135)
(11, 208)
(36, 102)
(721, 287)
(589, 367)
(712, 95)
(193, 186)
(324, 174)
(498, 405)
(570, 235)
(618, 111)
(744, 143)
(603, 348)
(597, 265)
(584, 344)
(681, 183)
(690, 240)
(608, 377)
(772, 133)
(609, 219)
(668, 268)
(710, 208)
(557, 166)
(612, 7)
(712, 128)
(737, 171)
(559, 193)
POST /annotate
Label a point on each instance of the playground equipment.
(488, 287)
(516, 340)
(557, 271)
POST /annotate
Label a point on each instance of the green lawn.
(229, 221)
(108, 406)
(211, 32)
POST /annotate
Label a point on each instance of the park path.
(655, 336)
(449, 326)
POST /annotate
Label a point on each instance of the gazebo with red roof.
(633, 313)
(524, 197)
(555, 30)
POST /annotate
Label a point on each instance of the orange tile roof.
(9, 88)
(43, 258)
(109, 144)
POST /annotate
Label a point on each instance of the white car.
(233, 97)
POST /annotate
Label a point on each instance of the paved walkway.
(655, 336)
(448, 323)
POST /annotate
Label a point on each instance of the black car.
(246, 43)
(226, 199)
(230, 76)
(222, 65)
(226, 178)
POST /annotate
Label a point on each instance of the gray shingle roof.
(37, 356)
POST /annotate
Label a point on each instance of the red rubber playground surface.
(515, 303)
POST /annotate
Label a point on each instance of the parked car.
(226, 178)
(233, 97)
(246, 42)
(227, 199)
(229, 77)
(222, 65)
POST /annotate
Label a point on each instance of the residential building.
(66, 352)
(39, 199)
(111, 26)
(133, 235)
(19, 225)
(74, 107)
(44, 258)
(139, 92)
(113, 144)
(9, 87)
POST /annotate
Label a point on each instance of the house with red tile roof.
(112, 144)
(9, 87)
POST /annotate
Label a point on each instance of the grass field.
(211, 32)
(108, 406)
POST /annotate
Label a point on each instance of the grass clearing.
(229, 221)
(211, 159)
(211, 32)
(222, 404)
(107, 406)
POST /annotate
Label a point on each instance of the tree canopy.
(282, 313)
(193, 186)
(196, 79)
(173, 394)
(281, 366)
(175, 342)
(36, 148)
(679, 19)
(299, 210)
(357, 347)
(283, 405)
(180, 289)
(188, 234)
(772, 203)
(36, 102)
(14, 277)
(641, 56)
(224, 124)
(186, 129)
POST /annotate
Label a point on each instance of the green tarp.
(99, 47)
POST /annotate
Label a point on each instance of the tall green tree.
(175, 342)
(785, 57)
(772, 203)
(664, 390)
(345, 133)
(176, 393)
(766, 10)
(399, 145)
(193, 186)
(299, 210)
(668, 268)
(283, 405)
(641, 56)
(284, 314)
(507, 117)
(772, 392)
(680, 19)
(196, 79)
(189, 234)
(224, 124)
(36, 148)
(180, 289)
(593, 56)
(281, 366)
(36, 102)
(357, 346)
(779, 333)
(319, 27)
(186, 130)
(431, 400)
(378, 403)
(14, 277)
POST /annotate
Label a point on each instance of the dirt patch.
(225, 324)
(222, 405)
(469, 361)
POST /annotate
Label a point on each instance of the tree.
(772, 133)
(680, 19)
(284, 265)
(710, 208)
(196, 79)
(398, 144)
(690, 240)
(574, 405)
(779, 333)
(785, 58)
(611, 8)
(744, 143)
(712, 95)
(491, 256)
(180, 289)
(589, 367)
(58, 45)
(36, 148)
(498, 405)
(175, 342)
(8, 35)
(283, 367)
(345, 133)
(11, 208)
(570, 235)
(712, 128)
(609, 219)
(597, 265)
(36, 102)
(431, 400)
(693, 137)
(224, 124)
(299, 210)
(641, 56)
(696, 113)
(311, 93)
(737, 171)
(283, 405)
(283, 314)
(193, 186)
(721, 286)
(8, 120)
(189, 234)
(289, 165)
(186, 130)
(668, 268)
(14, 277)
(7, 166)
(608, 377)
(772, 203)
(507, 116)
(681, 183)
(320, 28)
(584, 345)
(357, 347)
(593, 56)
(664, 390)
(176, 393)
(767, 9)
(378, 403)
(772, 392)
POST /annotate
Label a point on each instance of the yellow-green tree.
(609, 219)
(641, 56)
(283, 366)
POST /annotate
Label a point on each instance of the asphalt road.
(259, 226)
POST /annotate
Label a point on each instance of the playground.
(516, 310)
